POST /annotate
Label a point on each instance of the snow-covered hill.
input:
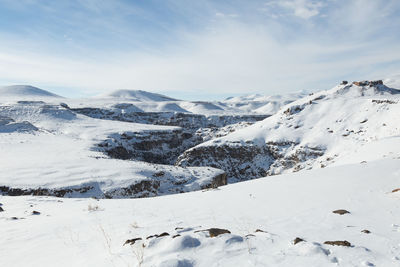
(21, 92)
(51, 150)
(285, 220)
(138, 95)
(314, 131)
(142, 101)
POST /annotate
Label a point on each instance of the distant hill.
(138, 95)
(23, 91)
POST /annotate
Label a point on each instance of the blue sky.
(196, 49)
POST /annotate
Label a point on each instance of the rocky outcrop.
(187, 121)
(156, 184)
(368, 83)
(8, 125)
(60, 192)
(161, 147)
(244, 161)
(144, 188)
(216, 181)
(239, 161)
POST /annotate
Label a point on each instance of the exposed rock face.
(343, 243)
(161, 147)
(164, 147)
(249, 161)
(8, 125)
(368, 83)
(240, 161)
(184, 120)
(61, 192)
(218, 180)
(214, 232)
(159, 183)
(145, 188)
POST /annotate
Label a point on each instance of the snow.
(336, 122)
(45, 144)
(138, 95)
(82, 232)
(63, 145)
(151, 102)
(25, 91)
(393, 81)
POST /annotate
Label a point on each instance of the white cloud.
(304, 9)
(245, 54)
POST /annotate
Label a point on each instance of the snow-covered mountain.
(257, 103)
(314, 131)
(142, 101)
(138, 95)
(25, 91)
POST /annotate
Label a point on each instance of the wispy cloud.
(216, 48)
(304, 9)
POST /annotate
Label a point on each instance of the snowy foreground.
(89, 232)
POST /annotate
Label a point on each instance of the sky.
(197, 50)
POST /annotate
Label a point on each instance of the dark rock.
(42, 191)
(151, 236)
(245, 161)
(218, 180)
(365, 231)
(297, 240)
(119, 152)
(374, 83)
(395, 190)
(176, 235)
(341, 211)
(163, 234)
(159, 174)
(144, 188)
(236, 161)
(35, 212)
(217, 231)
(344, 82)
(338, 243)
(1, 209)
(132, 241)
(361, 83)
(369, 83)
(260, 231)
(383, 101)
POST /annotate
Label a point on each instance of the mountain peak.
(364, 88)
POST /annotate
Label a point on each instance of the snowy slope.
(25, 91)
(138, 95)
(151, 102)
(262, 104)
(314, 131)
(87, 232)
(393, 81)
(60, 153)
